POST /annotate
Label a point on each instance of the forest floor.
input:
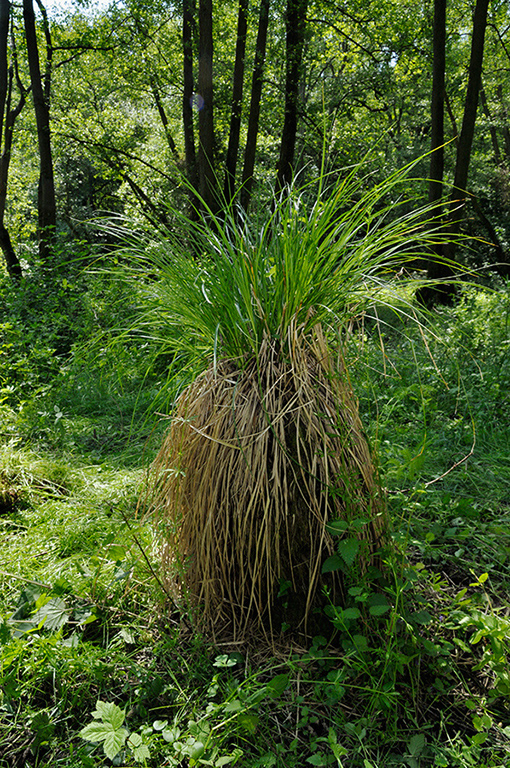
(99, 668)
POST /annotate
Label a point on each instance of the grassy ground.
(414, 670)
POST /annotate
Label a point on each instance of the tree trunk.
(492, 129)
(295, 40)
(458, 194)
(427, 295)
(7, 118)
(504, 121)
(444, 292)
(451, 115)
(502, 266)
(46, 192)
(164, 118)
(207, 175)
(437, 103)
(237, 100)
(188, 22)
(256, 93)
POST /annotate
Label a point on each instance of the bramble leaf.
(109, 713)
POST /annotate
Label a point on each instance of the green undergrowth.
(98, 667)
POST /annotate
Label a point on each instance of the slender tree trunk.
(451, 115)
(502, 266)
(46, 191)
(492, 129)
(504, 121)
(458, 194)
(237, 101)
(427, 295)
(444, 291)
(164, 118)
(49, 52)
(5, 13)
(188, 22)
(7, 118)
(437, 103)
(254, 116)
(295, 39)
(207, 174)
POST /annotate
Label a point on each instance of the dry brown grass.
(259, 457)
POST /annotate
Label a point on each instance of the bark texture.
(47, 214)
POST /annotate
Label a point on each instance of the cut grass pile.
(415, 668)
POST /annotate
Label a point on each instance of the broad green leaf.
(248, 723)
(95, 732)
(116, 553)
(134, 740)
(333, 563)
(348, 549)
(84, 616)
(316, 759)
(378, 610)
(350, 613)
(233, 706)
(114, 742)
(43, 727)
(421, 617)
(225, 760)
(55, 613)
(337, 527)
(360, 642)
(109, 713)
(416, 744)
(321, 759)
(277, 685)
(479, 738)
(141, 753)
(196, 750)
(358, 524)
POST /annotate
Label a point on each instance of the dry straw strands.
(258, 458)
